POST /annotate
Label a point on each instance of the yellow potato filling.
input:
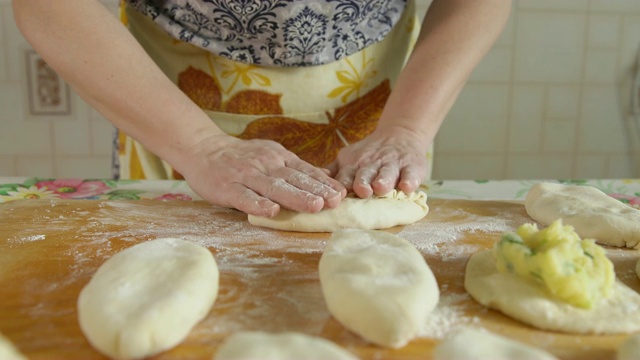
(574, 270)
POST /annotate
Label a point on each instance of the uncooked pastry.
(377, 212)
(253, 345)
(590, 211)
(147, 298)
(630, 348)
(478, 344)
(377, 285)
(532, 304)
(8, 351)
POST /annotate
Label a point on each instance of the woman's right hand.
(258, 177)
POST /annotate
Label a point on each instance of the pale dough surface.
(630, 349)
(254, 345)
(377, 212)
(8, 351)
(479, 344)
(591, 212)
(377, 285)
(147, 298)
(530, 303)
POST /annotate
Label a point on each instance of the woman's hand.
(389, 158)
(258, 177)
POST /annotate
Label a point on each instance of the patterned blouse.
(276, 32)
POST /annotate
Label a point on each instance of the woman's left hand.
(391, 157)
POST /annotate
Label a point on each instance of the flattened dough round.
(377, 285)
(591, 212)
(147, 298)
(477, 344)
(378, 212)
(253, 345)
(533, 305)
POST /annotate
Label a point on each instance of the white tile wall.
(550, 100)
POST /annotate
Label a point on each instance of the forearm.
(456, 34)
(105, 65)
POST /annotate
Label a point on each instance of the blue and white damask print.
(276, 32)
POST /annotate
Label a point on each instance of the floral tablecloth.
(19, 188)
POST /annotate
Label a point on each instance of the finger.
(332, 169)
(318, 174)
(386, 179)
(363, 179)
(307, 183)
(248, 201)
(345, 176)
(280, 191)
(410, 179)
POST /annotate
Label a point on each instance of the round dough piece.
(377, 212)
(530, 303)
(477, 344)
(8, 351)
(590, 211)
(252, 345)
(630, 349)
(377, 285)
(147, 298)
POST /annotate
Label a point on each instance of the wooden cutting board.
(49, 249)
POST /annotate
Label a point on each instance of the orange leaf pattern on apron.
(319, 144)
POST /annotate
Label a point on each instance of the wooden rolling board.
(49, 249)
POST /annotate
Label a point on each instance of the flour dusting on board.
(440, 236)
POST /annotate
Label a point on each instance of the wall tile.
(102, 133)
(549, 47)
(84, 167)
(71, 136)
(601, 67)
(622, 6)
(507, 35)
(468, 166)
(621, 166)
(603, 128)
(562, 102)
(630, 50)
(35, 166)
(477, 121)
(559, 137)
(539, 167)
(553, 4)
(19, 137)
(527, 110)
(590, 167)
(3, 47)
(7, 166)
(604, 31)
(495, 66)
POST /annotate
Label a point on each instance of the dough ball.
(8, 351)
(477, 344)
(377, 212)
(591, 212)
(147, 298)
(630, 349)
(377, 285)
(253, 345)
(532, 304)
